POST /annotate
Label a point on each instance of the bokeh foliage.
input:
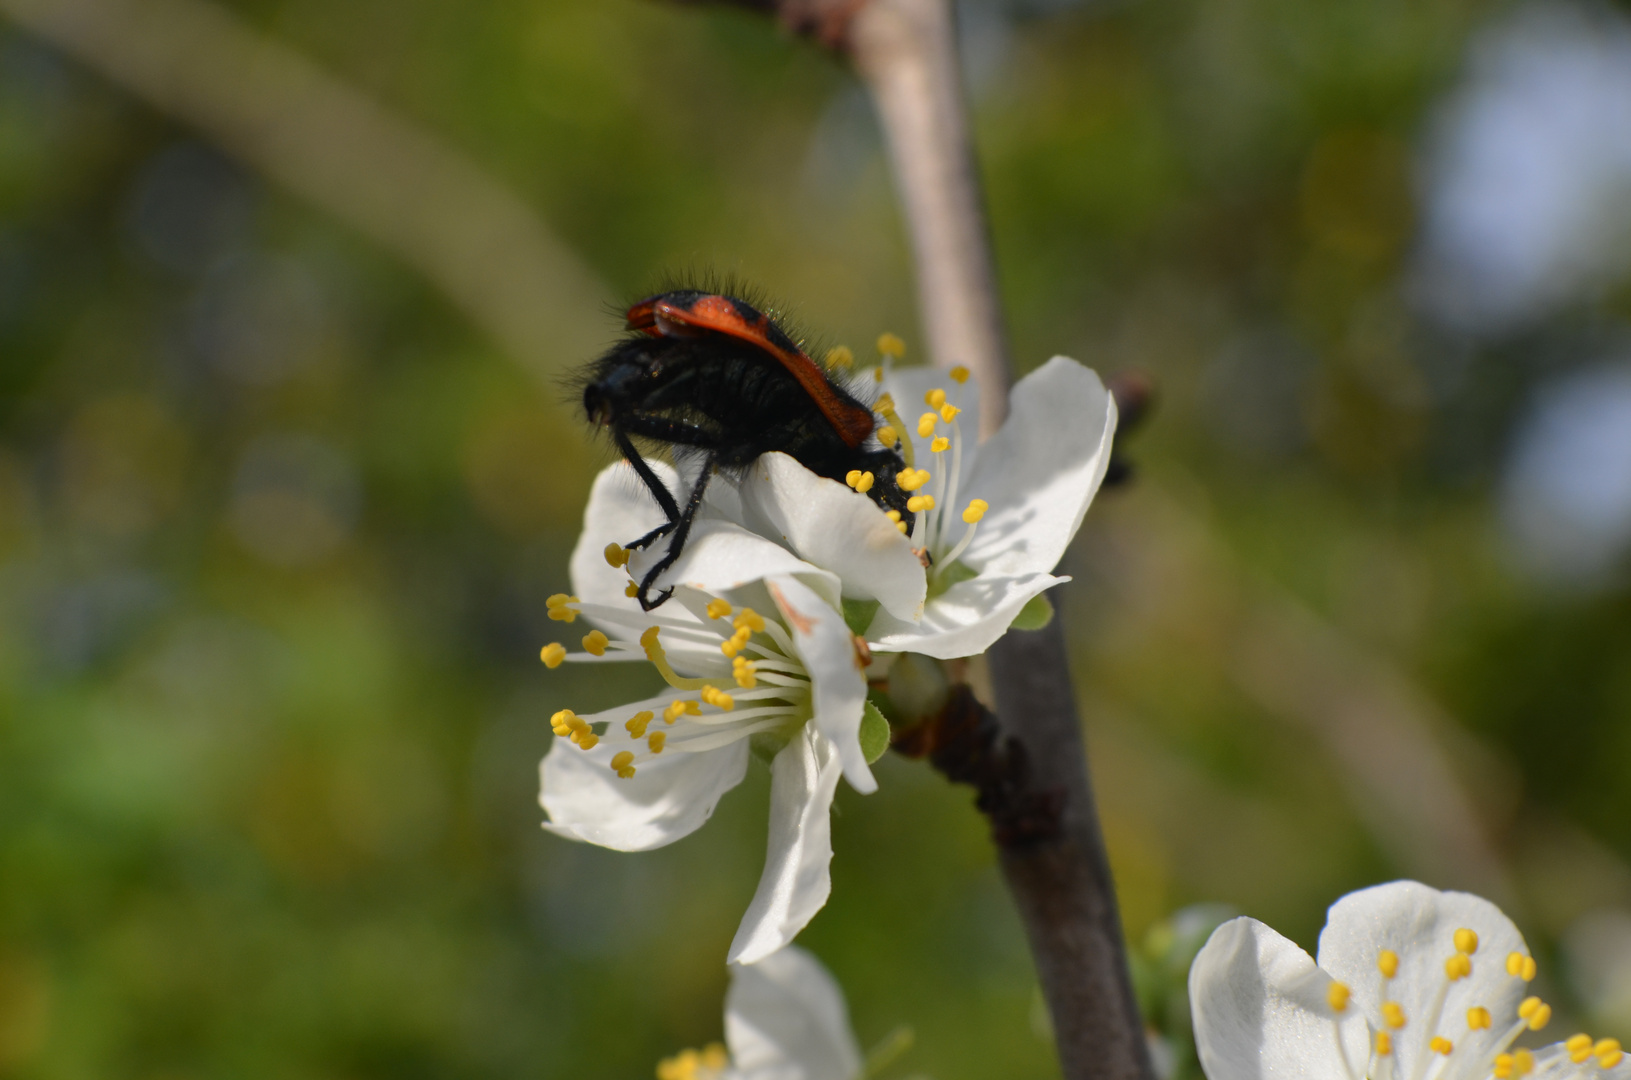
(277, 526)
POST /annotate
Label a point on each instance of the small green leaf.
(944, 577)
(858, 614)
(874, 733)
(1037, 613)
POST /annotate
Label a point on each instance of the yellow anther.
(892, 515)
(1611, 1059)
(631, 589)
(888, 437)
(636, 724)
(1604, 1047)
(919, 503)
(1527, 1007)
(560, 607)
(617, 556)
(749, 620)
(553, 655)
(1503, 1066)
(912, 479)
(877, 374)
(1466, 941)
(560, 599)
(852, 477)
(940, 443)
(1458, 967)
(1387, 962)
(655, 741)
(674, 711)
(948, 413)
(1441, 1045)
(935, 398)
(585, 739)
(1520, 966)
(623, 764)
(1541, 1018)
(840, 357)
(730, 647)
(648, 641)
(718, 609)
(1384, 1044)
(891, 345)
(885, 403)
(1337, 995)
(714, 1056)
(1393, 1014)
(1523, 1062)
(976, 510)
(925, 424)
(745, 672)
(901, 525)
(1579, 1047)
(595, 643)
(561, 722)
(1479, 1019)
(716, 697)
(959, 374)
(864, 484)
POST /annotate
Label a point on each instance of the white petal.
(837, 681)
(908, 385)
(669, 796)
(826, 523)
(721, 555)
(795, 882)
(1419, 923)
(785, 1018)
(1040, 471)
(1261, 1012)
(964, 620)
(620, 511)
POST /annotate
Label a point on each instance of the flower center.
(760, 652)
(706, 1064)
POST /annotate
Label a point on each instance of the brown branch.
(469, 234)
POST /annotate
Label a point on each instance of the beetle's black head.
(623, 379)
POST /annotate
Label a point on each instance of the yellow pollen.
(718, 609)
(553, 655)
(560, 609)
(716, 697)
(617, 556)
(976, 510)
(1478, 1018)
(1458, 967)
(1337, 994)
(935, 398)
(561, 722)
(959, 374)
(948, 413)
(864, 484)
(1393, 1014)
(1387, 962)
(655, 740)
(636, 724)
(623, 764)
(940, 443)
(631, 589)
(888, 437)
(595, 643)
(1441, 1045)
(1384, 1044)
(1520, 966)
(1466, 941)
(893, 515)
(1579, 1047)
(840, 357)
(925, 424)
(1608, 1053)
(891, 345)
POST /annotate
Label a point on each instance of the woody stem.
(905, 52)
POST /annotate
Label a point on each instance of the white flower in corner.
(1411, 984)
(756, 656)
(785, 1019)
(992, 520)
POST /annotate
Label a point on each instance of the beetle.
(711, 374)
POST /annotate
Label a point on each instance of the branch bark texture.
(1051, 847)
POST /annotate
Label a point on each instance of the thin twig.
(277, 111)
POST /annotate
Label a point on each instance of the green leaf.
(1037, 613)
(874, 733)
(858, 614)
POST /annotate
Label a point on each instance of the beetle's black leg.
(659, 491)
(676, 542)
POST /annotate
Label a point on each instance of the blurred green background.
(277, 520)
